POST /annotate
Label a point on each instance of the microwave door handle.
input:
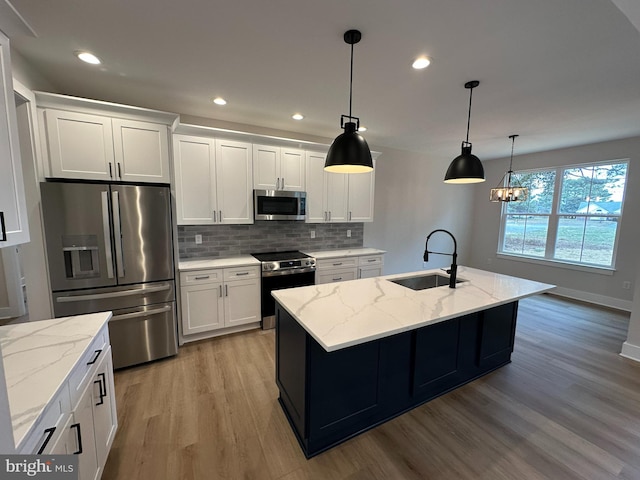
(107, 233)
(117, 233)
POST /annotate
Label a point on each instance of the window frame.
(554, 219)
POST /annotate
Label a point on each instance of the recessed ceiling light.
(297, 116)
(362, 129)
(421, 62)
(219, 101)
(88, 58)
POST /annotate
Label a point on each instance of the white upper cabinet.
(337, 197)
(80, 145)
(316, 188)
(14, 227)
(194, 160)
(141, 151)
(234, 172)
(91, 140)
(213, 180)
(278, 168)
(360, 202)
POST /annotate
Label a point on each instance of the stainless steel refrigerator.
(110, 247)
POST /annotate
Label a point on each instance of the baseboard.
(611, 302)
(630, 351)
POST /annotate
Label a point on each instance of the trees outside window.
(571, 214)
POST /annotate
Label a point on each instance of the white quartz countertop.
(339, 315)
(351, 252)
(202, 263)
(38, 358)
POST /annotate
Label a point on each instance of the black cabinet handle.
(3, 238)
(77, 426)
(49, 432)
(119, 171)
(102, 384)
(110, 172)
(97, 352)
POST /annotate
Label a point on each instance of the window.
(571, 214)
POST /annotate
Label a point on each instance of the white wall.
(598, 288)
(412, 200)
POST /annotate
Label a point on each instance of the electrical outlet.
(348, 233)
(626, 285)
(313, 234)
(198, 239)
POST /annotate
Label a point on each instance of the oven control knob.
(269, 266)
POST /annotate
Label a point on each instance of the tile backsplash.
(230, 240)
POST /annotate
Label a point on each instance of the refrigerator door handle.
(142, 313)
(122, 293)
(117, 233)
(107, 232)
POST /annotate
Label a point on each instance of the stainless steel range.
(283, 270)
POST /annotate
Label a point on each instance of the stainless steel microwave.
(279, 205)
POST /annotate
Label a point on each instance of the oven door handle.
(276, 273)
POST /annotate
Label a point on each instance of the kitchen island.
(352, 355)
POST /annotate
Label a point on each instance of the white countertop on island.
(38, 358)
(223, 262)
(339, 315)
(350, 252)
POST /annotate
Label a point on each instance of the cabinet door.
(80, 145)
(337, 196)
(141, 151)
(316, 188)
(234, 185)
(292, 171)
(242, 302)
(266, 167)
(65, 443)
(369, 272)
(105, 420)
(84, 444)
(13, 210)
(361, 188)
(202, 308)
(195, 171)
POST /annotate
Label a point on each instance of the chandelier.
(509, 192)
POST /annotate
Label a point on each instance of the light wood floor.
(567, 407)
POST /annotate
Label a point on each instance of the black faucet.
(454, 265)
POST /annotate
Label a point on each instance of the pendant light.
(466, 168)
(349, 152)
(509, 193)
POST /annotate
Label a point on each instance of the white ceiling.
(557, 72)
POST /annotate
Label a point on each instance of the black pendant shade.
(349, 152)
(466, 167)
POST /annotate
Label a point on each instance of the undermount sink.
(422, 282)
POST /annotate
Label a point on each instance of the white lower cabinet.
(332, 270)
(213, 299)
(340, 269)
(370, 266)
(81, 419)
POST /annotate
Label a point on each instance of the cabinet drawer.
(337, 275)
(49, 427)
(370, 260)
(241, 273)
(201, 277)
(86, 366)
(342, 262)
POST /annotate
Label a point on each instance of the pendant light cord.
(469, 115)
(351, 84)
